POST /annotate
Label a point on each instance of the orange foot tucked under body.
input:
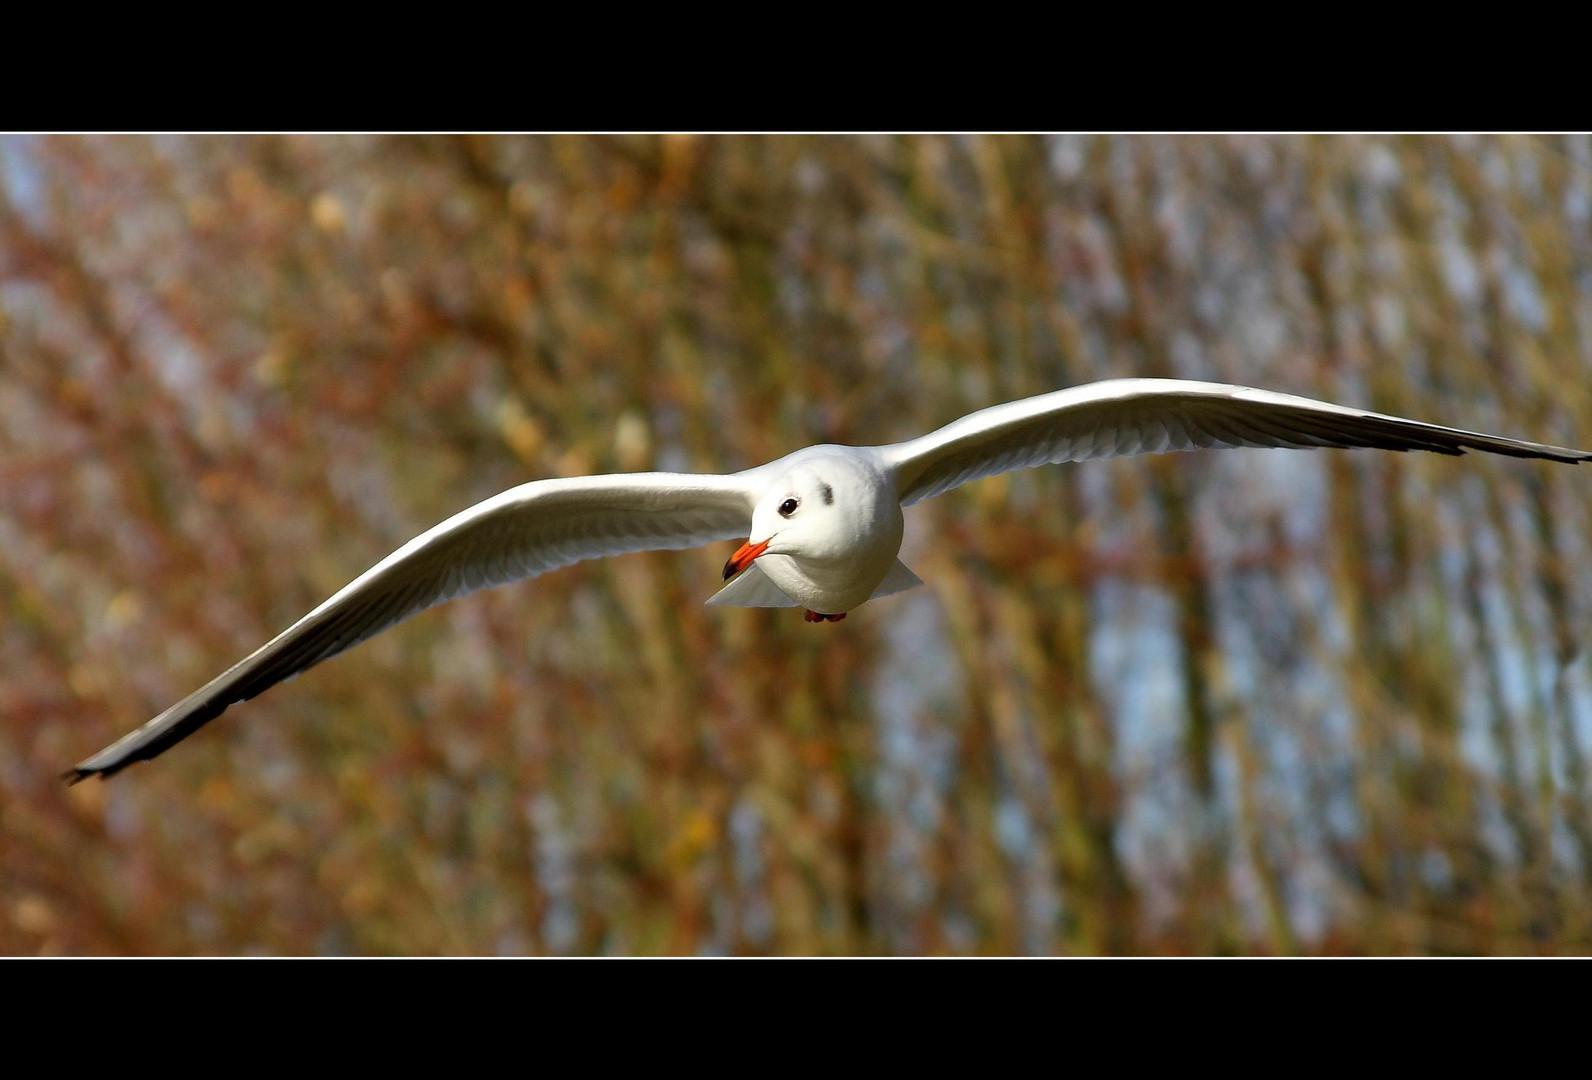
(814, 616)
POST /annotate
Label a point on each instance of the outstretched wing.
(1152, 416)
(521, 533)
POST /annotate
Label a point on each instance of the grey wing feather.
(519, 534)
(1151, 416)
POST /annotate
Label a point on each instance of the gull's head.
(814, 512)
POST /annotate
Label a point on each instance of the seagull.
(823, 524)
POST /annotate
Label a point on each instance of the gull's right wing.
(518, 534)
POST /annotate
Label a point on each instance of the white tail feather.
(752, 588)
(899, 579)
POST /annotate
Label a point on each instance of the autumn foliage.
(1250, 701)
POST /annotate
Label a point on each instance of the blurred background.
(1238, 702)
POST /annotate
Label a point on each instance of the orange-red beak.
(743, 557)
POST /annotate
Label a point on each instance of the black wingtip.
(77, 776)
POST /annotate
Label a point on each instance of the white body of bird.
(826, 533)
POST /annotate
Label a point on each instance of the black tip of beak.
(729, 570)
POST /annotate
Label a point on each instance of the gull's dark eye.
(788, 507)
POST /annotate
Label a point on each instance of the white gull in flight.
(823, 524)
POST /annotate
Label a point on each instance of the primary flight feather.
(823, 524)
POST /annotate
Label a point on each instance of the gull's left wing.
(1152, 416)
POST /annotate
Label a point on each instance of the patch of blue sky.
(21, 176)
